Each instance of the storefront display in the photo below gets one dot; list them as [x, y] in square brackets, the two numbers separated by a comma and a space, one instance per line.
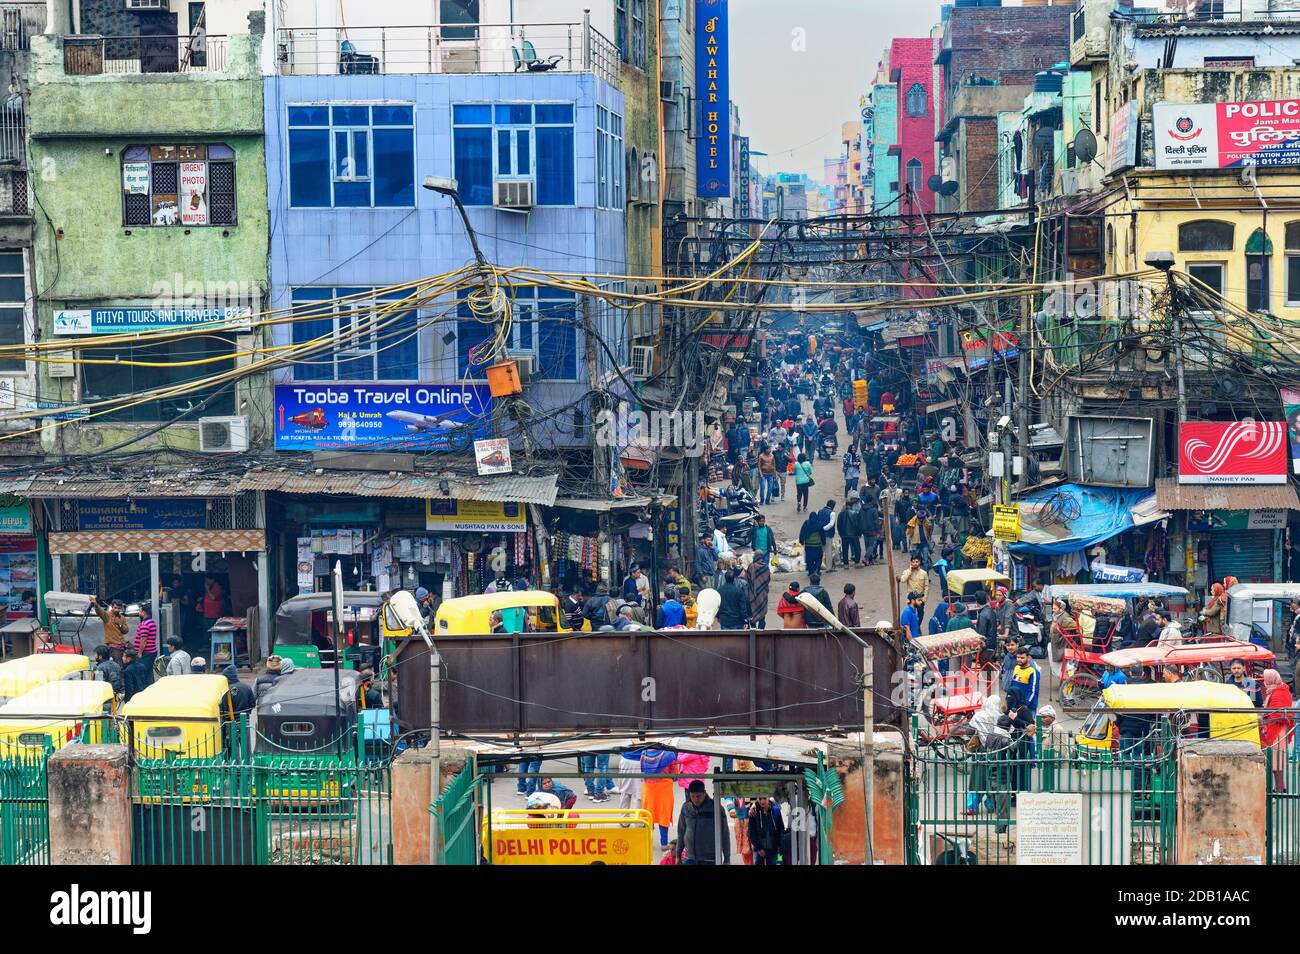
[17, 575]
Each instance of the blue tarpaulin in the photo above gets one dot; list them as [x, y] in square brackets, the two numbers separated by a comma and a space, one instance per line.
[1103, 512]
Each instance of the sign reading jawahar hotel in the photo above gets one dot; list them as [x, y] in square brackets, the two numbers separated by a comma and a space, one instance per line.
[713, 83]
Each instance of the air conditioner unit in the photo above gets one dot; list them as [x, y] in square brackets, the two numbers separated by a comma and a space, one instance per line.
[513, 194]
[668, 90]
[643, 359]
[527, 366]
[223, 435]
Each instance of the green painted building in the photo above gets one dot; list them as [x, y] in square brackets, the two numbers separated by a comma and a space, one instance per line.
[150, 191]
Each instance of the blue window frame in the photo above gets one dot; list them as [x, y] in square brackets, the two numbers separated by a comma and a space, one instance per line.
[352, 156]
[543, 326]
[375, 341]
[514, 141]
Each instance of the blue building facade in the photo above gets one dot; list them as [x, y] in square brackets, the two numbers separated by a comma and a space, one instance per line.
[883, 133]
[346, 156]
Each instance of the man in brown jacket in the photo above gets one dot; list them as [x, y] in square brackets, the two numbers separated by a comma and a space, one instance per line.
[847, 611]
[115, 627]
[915, 579]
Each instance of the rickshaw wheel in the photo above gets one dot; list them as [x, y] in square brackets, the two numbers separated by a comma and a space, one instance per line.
[1080, 687]
[1207, 673]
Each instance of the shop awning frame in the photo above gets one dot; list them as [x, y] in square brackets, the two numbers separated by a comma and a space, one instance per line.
[1171, 495]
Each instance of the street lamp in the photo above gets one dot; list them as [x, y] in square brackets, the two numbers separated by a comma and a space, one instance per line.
[1164, 261]
[444, 185]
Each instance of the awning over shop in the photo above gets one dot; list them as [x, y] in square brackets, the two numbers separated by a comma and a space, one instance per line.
[503, 489]
[1171, 495]
[623, 503]
[158, 541]
[1103, 512]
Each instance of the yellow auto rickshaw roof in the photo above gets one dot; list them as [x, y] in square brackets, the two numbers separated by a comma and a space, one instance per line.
[1174, 696]
[190, 695]
[17, 676]
[465, 605]
[975, 576]
[63, 697]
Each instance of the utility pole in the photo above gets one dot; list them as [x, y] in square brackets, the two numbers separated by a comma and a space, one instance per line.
[599, 454]
[1028, 272]
[886, 507]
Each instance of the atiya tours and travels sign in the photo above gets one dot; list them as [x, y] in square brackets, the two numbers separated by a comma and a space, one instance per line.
[1226, 135]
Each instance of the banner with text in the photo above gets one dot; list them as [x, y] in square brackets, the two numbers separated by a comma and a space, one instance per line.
[112, 321]
[380, 417]
[713, 89]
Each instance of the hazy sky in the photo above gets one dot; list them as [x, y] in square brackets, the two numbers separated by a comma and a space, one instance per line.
[792, 101]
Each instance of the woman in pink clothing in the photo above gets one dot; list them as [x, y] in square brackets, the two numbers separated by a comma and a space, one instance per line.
[691, 768]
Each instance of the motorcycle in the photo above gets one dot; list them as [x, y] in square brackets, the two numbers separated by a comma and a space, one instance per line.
[1031, 632]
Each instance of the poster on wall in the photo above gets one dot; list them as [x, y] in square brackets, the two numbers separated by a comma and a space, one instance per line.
[194, 193]
[1291, 407]
[1232, 452]
[18, 575]
[380, 417]
[474, 516]
[1226, 135]
[135, 178]
[493, 456]
[1123, 137]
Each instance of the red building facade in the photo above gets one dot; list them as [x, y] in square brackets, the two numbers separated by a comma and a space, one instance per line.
[920, 114]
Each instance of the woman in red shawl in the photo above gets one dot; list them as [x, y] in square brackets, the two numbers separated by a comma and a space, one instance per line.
[1215, 614]
[1276, 731]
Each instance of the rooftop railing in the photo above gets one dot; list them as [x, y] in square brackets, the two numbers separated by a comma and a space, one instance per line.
[96, 55]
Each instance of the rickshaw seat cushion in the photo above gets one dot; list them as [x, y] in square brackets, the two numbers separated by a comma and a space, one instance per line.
[962, 702]
[1083, 656]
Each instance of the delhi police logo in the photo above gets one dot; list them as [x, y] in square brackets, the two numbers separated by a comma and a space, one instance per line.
[1185, 129]
[621, 847]
[1184, 124]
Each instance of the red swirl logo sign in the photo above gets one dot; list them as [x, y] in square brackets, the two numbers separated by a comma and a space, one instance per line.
[1243, 452]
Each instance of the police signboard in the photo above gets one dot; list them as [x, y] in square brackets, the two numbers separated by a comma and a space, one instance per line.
[1006, 522]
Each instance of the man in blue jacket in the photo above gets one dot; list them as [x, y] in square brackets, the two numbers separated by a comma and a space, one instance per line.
[706, 561]
[1027, 676]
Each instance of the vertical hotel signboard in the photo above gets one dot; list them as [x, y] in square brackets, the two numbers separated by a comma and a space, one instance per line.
[713, 82]
[743, 196]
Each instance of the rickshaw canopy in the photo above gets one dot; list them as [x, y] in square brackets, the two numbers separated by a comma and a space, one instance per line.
[65, 697]
[1211, 697]
[309, 692]
[197, 695]
[1123, 591]
[293, 618]
[959, 642]
[977, 579]
[1189, 654]
[471, 615]
[20, 676]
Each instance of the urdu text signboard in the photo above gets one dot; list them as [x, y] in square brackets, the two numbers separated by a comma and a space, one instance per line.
[713, 88]
[1232, 452]
[183, 513]
[379, 417]
[1226, 135]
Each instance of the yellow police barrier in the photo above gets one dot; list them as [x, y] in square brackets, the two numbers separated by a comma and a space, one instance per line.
[612, 836]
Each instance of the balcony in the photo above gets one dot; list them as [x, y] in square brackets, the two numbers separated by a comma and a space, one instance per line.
[126, 55]
[1090, 32]
[486, 48]
[19, 22]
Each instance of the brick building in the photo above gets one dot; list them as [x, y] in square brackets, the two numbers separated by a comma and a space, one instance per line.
[920, 104]
[990, 56]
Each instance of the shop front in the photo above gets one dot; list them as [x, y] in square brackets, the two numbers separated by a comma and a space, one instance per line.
[18, 564]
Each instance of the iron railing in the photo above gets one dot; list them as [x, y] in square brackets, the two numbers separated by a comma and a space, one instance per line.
[1282, 824]
[481, 48]
[19, 22]
[97, 55]
[961, 807]
[24, 806]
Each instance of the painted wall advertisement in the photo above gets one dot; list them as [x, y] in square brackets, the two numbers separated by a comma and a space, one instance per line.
[112, 321]
[380, 417]
[474, 516]
[1224, 135]
[148, 514]
[1291, 407]
[1232, 452]
[713, 86]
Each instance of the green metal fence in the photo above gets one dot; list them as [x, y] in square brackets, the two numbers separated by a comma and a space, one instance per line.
[965, 808]
[455, 811]
[268, 810]
[24, 807]
[1282, 823]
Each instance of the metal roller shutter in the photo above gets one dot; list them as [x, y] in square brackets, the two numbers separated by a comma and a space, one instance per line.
[1245, 554]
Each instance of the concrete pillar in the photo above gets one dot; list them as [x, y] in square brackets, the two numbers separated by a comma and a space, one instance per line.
[1222, 793]
[410, 802]
[90, 805]
[848, 821]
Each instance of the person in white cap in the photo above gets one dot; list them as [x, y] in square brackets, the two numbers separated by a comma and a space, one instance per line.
[1056, 740]
[199, 665]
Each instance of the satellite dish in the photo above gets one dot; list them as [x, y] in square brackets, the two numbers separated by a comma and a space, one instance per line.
[948, 188]
[1085, 145]
[934, 183]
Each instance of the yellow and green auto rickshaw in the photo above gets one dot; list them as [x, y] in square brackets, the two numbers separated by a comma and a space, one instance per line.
[20, 676]
[1194, 710]
[964, 584]
[472, 615]
[180, 717]
[56, 713]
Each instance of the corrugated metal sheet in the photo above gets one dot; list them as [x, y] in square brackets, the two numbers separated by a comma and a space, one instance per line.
[510, 489]
[1170, 495]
